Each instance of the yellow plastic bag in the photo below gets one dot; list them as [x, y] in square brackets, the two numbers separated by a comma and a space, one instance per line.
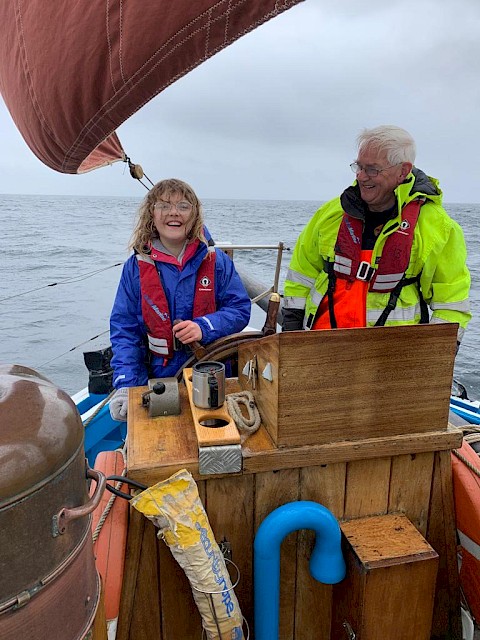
[174, 506]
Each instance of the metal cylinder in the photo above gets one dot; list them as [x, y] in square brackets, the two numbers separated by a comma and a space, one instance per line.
[208, 384]
[49, 586]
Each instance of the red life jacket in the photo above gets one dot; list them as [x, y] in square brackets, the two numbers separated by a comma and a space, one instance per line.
[395, 255]
[155, 310]
[356, 275]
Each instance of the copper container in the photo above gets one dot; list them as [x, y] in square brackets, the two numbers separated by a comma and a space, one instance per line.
[49, 587]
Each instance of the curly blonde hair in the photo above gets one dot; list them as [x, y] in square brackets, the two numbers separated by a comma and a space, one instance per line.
[145, 230]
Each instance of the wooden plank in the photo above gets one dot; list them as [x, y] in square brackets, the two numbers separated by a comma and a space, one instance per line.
[325, 485]
[272, 490]
[133, 550]
[259, 455]
[211, 436]
[441, 534]
[367, 487]
[230, 509]
[411, 497]
[383, 541]
[145, 617]
[99, 627]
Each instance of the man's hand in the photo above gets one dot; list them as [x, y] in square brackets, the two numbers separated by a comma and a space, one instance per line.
[187, 331]
[119, 405]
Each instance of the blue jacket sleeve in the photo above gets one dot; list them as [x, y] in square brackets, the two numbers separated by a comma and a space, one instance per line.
[233, 304]
[127, 333]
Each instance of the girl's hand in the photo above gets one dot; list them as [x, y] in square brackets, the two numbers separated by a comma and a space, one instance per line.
[187, 331]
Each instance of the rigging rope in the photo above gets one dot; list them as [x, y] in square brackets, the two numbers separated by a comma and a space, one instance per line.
[99, 408]
[470, 434]
[72, 280]
[466, 462]
[73, 348]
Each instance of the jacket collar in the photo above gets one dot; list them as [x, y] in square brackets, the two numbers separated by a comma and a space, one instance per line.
[416, 184]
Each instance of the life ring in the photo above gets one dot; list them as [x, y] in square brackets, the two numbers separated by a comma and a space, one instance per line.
[466, 487]
[109, 546]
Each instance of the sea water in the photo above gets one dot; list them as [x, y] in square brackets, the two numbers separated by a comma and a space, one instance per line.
[61, 257]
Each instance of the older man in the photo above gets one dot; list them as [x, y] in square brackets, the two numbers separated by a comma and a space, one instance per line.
[382, 251]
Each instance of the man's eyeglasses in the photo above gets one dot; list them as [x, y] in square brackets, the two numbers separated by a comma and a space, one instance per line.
[166, 207]
[370, 171]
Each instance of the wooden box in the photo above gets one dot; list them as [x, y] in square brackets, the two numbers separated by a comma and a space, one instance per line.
[390, 585]
[366, 383]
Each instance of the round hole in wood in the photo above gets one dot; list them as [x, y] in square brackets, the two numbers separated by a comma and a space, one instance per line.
[213, 423]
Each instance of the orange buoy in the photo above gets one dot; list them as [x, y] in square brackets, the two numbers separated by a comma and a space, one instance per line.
[466, 487]
[109, 547]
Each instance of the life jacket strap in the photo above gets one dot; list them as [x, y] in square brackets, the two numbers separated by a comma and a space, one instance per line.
[393, 300]
[332, 279]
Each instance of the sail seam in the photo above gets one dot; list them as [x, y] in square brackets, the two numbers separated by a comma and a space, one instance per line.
[141, 75]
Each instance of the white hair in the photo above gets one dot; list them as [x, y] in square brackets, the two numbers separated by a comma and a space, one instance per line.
[397, 143]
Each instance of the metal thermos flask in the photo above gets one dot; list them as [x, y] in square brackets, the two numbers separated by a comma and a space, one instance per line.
[208, 383]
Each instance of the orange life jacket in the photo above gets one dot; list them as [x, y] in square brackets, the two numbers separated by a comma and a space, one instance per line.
[351, 275]
[155, 310]
[350, 300]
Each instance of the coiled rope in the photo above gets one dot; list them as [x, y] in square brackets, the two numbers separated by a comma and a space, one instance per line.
[246, 425]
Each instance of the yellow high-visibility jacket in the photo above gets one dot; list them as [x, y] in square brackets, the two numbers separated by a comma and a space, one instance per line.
[438, 259]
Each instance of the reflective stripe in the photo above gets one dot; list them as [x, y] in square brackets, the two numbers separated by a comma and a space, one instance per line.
[208, 322]
[295, 276]
[386, 282]
[294, 303]
[389, 277]
[343, 260]
[470, 545]
[158, 345]
[386, 286]
[435, 320]
[462, 305]
[316, 297]
[341, 269]
[399, 314]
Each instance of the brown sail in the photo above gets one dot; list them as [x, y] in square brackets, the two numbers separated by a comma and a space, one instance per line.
[72, 72]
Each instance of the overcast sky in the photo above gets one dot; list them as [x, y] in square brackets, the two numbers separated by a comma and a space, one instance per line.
[275, 115]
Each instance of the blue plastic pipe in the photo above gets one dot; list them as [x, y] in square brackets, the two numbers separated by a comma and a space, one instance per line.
[326, 563]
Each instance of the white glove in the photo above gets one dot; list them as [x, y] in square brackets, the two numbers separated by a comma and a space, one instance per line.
[119, 405]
